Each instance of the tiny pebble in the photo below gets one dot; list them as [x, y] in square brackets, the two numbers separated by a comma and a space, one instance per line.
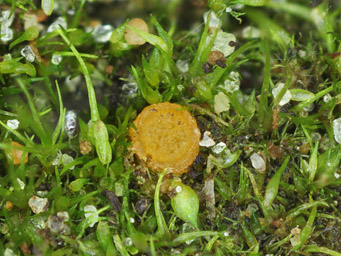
[257, 162]
[220, 147]
[178, 189]
[286, 97]
[28, 53]
[14, 124]
[38, 204]
[337, 130]
[90, 210]
[207, 141]
[56, 59]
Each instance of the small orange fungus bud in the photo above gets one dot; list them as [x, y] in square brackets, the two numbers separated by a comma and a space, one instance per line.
[16, 154]
[166, 136]
[133, 38]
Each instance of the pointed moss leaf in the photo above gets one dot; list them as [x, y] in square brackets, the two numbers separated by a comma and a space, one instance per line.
[98, 131]
[30, 34]
[47, 6]
[301, 95]
[150, 38]
[150, 73]
[272, 187]
[76, 185]
[13, 66]
[104, 236]
[251, 2]
[185, 203]
[150, 95]
[118, 33]
[163, 34]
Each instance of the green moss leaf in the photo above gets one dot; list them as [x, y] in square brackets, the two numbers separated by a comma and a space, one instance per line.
[185, 203]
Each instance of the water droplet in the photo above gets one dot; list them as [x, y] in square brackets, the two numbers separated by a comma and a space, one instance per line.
[337, 130]
[132, 220]
[103, 33]
[56, 59]
[286, 97]
[178, 189]
[60, 21]
[28, 53]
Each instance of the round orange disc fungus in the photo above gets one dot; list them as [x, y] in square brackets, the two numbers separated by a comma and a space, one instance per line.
[166, 136]
[131, 36]
[15, 154]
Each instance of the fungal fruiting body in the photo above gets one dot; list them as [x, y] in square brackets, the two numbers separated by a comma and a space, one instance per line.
[131, 36]
[165, 136]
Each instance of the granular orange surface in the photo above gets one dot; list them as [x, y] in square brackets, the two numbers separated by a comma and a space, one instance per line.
[166, 136]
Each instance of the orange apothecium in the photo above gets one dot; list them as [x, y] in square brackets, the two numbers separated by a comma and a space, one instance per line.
[165, 136]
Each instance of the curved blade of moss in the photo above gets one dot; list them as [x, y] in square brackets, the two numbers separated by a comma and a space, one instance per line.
[30, 34]
[16, 67]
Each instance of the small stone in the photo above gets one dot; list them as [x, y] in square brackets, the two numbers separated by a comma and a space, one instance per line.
[56, 59]
[66, 159]
[221, 103]
[6, 34]
[214, 20]
[337, 130]
[7, 18]
[250, 32]
[182, 65]
[222, 43]
[228, 9]
[9, 252]
[232, 84]
[13, 124]
[226, 233]
[327, 97]
[220, 147]
[129, 90]
[38, 204]
[207, 141]
[102, 33]
[90, 210]
[258, 162]
[132, 220]
[28, 53]
[63, 215]
[55, 224]
[133, 38]
[85, 147]
[21, 184]
[128, 241]
[302, 54]
[60, 21]
[58, 159]
[71, 124]
[286, 97]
